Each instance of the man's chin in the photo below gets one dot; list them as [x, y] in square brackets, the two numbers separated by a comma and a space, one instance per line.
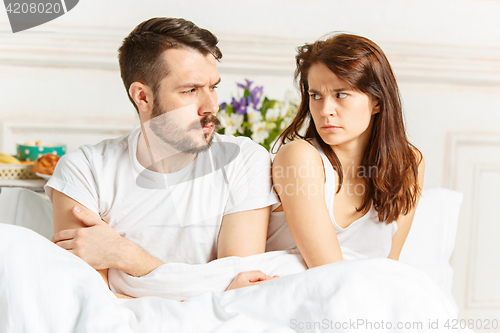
[204, 145]
[197, 149]
[209, 137]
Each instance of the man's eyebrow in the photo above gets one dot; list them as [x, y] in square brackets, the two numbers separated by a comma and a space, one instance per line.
[194, 85]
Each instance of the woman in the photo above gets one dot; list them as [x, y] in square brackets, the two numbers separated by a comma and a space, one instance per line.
[350, 185]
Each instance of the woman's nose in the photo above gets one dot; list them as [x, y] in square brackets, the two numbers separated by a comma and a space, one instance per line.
[329, 108]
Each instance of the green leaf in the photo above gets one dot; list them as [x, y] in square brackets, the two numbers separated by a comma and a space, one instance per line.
[246, 93]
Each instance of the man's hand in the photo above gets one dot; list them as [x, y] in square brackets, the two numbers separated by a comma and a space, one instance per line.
[247, 279]
[98, 244]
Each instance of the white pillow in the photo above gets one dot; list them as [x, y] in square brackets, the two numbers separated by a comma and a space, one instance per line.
[432, 235]
[27, 209]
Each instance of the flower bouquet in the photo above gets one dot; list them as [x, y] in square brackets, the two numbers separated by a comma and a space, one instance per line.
[256, 116]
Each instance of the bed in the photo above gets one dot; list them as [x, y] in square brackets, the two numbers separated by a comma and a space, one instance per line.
[44, 288]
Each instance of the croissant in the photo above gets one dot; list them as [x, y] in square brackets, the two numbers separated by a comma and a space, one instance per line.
[46, 164]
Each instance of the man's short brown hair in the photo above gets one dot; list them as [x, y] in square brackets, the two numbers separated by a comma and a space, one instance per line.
[140, 54]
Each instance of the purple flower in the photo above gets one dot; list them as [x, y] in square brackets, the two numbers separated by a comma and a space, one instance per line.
[242, 110]
[239, 107]
[256, 94]
[246, 86]
[235, 104]
[250, 100]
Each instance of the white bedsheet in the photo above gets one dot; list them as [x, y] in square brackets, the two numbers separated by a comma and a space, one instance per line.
[44, 288]
[178, 281]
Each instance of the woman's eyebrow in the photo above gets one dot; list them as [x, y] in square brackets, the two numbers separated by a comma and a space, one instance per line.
[314, 91]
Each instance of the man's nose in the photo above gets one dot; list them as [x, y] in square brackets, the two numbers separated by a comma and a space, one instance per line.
[208, 104]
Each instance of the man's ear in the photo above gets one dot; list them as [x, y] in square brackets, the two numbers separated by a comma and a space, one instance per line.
[143, 97]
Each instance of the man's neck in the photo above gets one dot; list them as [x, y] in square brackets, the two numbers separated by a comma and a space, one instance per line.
[161, 158]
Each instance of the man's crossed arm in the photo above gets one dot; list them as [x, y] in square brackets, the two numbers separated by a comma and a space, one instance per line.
[83, 233]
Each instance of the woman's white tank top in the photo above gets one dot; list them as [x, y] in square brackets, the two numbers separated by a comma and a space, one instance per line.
[364, 238]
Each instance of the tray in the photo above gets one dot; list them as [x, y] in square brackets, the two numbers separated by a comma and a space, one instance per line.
[17, 171]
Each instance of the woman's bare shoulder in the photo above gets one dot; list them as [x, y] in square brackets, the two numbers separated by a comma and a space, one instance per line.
[297, 152]
[419, 156]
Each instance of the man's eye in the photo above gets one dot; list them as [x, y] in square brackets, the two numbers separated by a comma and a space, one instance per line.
[341, 95]
[189, 91]
[315, 96]
[213, 87]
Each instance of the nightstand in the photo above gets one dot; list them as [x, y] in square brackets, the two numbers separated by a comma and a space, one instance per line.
[35, 185]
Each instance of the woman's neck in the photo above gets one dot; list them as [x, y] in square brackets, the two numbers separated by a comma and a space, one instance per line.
[350, 161]
[350, 154]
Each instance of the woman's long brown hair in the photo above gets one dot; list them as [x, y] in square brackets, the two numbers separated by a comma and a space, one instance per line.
[361, 63]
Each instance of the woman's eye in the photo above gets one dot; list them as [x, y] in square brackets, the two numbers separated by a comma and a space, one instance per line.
[341, 95]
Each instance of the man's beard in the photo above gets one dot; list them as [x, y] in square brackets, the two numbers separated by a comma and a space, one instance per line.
[179, 138]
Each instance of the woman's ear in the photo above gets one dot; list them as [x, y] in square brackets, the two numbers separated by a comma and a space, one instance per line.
[376, 107]
[143, 97]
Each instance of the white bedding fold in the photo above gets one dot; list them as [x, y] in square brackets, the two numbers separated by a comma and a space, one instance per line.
[181, 281]
[46, 289]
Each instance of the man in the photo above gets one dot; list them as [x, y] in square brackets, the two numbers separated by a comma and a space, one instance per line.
[172, 190]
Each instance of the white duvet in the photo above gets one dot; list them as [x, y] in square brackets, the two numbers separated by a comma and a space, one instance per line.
[44, 288]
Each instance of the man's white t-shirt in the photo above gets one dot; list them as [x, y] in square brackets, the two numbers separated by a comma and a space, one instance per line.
[174, 217]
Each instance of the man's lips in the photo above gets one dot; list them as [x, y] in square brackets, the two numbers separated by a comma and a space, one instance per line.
[207, 128]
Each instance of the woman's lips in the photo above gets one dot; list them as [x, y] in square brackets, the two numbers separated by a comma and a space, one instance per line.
[328, 127]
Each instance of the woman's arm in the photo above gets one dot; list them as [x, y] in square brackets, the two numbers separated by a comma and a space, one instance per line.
[299, 180]
[404, 221]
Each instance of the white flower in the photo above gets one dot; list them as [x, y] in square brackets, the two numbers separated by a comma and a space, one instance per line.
[259, 132]
[254, 115]
[289, 105]
[231, 123]
[259, 105]
[273, 114]
[285, 108]
[223, 117]
[287, 121]
[270, 126]
[291, 98]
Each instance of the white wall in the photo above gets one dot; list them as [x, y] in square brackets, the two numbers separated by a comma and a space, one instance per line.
[445, 53]
[61, 80]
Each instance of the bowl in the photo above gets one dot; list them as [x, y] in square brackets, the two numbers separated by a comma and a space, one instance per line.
[31, 153]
